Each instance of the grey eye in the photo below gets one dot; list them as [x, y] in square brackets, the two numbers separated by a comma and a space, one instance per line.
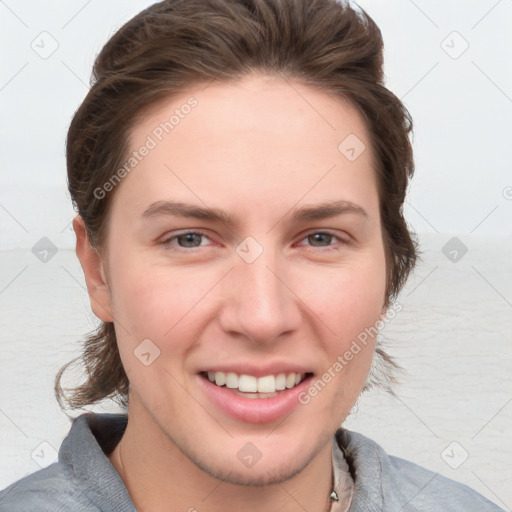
[320, 239]
[189, 240]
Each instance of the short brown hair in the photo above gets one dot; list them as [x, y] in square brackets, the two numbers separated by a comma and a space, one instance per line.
[174, 44]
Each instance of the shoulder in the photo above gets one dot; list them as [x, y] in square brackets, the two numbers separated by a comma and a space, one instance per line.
[388, 483]
[83, 478]
[427, 490]
[48, 490]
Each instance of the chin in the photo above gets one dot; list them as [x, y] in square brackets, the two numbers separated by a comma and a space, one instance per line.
[277, 462]
[265, 474]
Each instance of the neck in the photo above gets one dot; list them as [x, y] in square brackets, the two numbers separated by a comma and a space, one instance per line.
[157, 473]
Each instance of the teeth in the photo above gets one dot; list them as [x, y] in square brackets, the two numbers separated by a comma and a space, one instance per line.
[280, 382]
[251, 384]
[290, 380]
[266, 384]
[248, 383]
[231, 380]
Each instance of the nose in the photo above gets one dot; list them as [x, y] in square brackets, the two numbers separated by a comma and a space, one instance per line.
[260, 303]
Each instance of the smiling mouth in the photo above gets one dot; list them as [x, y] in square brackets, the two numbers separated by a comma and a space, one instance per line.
[250, 386]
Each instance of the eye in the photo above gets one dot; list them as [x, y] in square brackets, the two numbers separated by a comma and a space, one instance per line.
[188, 240]
[322, 239]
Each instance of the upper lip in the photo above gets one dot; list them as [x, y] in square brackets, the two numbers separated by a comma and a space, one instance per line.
[250, 368]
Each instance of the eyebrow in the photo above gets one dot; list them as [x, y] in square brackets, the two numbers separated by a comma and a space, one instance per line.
[303, 214]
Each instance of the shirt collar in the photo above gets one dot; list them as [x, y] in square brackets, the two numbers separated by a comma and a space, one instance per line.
[343, 481]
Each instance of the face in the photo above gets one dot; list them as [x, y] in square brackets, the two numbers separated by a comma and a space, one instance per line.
[245, 248]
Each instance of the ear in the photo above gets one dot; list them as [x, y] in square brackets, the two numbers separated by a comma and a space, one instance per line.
[93, 271]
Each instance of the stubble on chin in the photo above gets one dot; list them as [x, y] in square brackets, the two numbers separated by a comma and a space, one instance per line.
[268, 473]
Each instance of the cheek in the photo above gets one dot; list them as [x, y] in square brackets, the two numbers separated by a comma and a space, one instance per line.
[156, 301]
[152, 303]
[349, 302]
[348, 299]
[351, 310]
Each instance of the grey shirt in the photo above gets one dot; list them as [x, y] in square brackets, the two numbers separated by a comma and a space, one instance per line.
[84, 480]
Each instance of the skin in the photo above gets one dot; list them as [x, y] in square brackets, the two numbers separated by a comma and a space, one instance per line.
[259, 149]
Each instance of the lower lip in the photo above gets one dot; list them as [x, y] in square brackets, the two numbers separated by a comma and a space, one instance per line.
[254, 410]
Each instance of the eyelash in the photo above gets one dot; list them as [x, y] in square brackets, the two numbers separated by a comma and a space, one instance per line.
[168, 242]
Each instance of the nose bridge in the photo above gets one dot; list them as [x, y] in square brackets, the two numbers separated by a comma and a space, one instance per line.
[259, 305]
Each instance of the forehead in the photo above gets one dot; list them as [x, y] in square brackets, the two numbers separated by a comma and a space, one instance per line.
[257, 139]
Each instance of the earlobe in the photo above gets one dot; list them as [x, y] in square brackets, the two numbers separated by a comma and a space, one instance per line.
[94, 273]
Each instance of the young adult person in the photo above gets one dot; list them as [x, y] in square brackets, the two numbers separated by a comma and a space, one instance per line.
[238, 170]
